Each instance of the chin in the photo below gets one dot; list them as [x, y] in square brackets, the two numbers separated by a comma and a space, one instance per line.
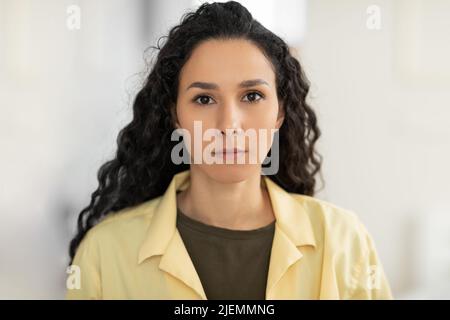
[230, 173]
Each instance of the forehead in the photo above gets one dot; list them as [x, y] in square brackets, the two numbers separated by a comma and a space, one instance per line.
[226, 62]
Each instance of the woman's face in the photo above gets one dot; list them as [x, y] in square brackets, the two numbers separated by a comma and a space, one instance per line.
[228, 85]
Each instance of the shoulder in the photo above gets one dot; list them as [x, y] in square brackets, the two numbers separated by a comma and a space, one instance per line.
[349, 255]
[110, 244]
[327, 212]
[126, 227]
[334, 225]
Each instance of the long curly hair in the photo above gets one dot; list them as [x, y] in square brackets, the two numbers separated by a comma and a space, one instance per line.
[142, 168]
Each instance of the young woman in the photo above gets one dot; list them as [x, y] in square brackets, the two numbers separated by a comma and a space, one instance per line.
[158, 228]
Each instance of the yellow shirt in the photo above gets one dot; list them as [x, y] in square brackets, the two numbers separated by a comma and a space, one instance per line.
[319, 251]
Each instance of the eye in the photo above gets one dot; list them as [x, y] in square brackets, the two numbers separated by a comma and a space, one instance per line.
[252, 96]
[202, 100]
[206, 100]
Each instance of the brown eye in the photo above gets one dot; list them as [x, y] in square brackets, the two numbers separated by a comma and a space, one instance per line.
[202, 100]
[252, 97]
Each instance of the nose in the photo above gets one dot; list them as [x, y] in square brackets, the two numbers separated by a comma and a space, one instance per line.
[229, 119]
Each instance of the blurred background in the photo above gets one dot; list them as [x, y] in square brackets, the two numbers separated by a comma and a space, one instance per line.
[380, 83]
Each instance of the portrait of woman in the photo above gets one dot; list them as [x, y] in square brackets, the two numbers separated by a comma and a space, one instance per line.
[160, 228]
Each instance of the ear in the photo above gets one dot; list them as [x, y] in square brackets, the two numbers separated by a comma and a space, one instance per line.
[280, 117]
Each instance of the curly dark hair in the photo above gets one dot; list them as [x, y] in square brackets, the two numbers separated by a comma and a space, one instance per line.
[142, 168]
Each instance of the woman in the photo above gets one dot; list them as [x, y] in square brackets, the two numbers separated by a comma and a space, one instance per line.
[161, 228]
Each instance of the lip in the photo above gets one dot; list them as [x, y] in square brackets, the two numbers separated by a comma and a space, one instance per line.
[230, 151]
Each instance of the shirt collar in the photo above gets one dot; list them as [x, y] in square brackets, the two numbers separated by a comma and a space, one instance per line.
[291, 217]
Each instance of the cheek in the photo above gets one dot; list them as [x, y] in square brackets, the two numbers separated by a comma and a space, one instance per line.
[263, 116]
[263, 121]
[188, 118]
[188, 114]
[183, 116]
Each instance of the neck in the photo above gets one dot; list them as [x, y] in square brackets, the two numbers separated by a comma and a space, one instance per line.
[243, 205]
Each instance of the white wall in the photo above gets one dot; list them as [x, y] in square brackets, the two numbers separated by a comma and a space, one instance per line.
[64, 95]
[383, 97]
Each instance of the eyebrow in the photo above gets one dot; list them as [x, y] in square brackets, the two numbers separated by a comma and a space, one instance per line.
[214, 86]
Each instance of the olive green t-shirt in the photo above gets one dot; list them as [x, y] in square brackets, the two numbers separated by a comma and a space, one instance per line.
[231, 264]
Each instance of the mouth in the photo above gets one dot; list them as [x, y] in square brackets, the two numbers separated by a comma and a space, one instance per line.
[229, 151]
